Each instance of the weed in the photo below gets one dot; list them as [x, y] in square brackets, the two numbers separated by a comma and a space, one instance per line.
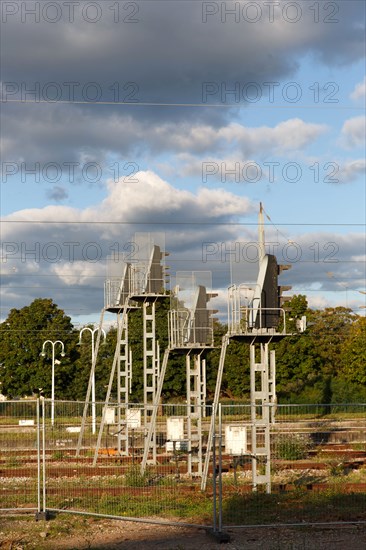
[337, 466]
[292, 446]
[13, 462]
[58, 455]
[135, 478]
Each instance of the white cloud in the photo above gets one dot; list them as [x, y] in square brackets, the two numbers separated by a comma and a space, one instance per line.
[319, 302]
[353, 132]
[360, 90]
[80, 273]
[153, 199]
[83, 136]
[351, 170]
[290, 135]
[71, 246]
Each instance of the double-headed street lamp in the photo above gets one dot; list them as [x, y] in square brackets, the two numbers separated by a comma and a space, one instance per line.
[53, 344]
[92, 332]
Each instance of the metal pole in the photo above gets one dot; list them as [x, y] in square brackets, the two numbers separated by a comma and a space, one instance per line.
[220, 469]
[38, 460]
[214, 480]
[44, 454]
[53, 344]
[53, 386]
[93, 387]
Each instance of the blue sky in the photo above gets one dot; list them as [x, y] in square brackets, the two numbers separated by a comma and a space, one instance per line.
[159, 158]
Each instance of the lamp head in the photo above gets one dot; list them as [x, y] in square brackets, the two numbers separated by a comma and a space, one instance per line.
[62, 354]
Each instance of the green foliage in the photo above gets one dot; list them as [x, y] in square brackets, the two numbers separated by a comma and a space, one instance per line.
[353, 354]
[23, 372]
[134, 477]
[324, 365]
[292, 446]
[298, 305]
[315, 367]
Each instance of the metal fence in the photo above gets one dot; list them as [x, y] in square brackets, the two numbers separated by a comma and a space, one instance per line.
[20, 456]
[317, 463]
[114, 485]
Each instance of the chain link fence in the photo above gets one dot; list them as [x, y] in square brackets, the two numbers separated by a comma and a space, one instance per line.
[317, 458]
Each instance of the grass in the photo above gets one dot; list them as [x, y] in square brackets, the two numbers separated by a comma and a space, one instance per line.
[299, 506]
[168, 498]
[152, 503]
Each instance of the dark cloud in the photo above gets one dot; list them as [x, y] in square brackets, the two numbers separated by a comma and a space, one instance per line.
[57, 194]
[169, 52]
[168, 55]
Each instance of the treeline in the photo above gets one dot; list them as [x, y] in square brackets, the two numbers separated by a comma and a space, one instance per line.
[325, 364]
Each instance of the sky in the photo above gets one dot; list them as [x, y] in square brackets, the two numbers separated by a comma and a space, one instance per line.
[181, 117]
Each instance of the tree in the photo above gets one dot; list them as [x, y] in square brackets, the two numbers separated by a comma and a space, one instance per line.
[23, 372]
[350, 383]
[353, 355]
[308, 365]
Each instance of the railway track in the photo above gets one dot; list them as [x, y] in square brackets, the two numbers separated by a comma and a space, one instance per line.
[71, 466]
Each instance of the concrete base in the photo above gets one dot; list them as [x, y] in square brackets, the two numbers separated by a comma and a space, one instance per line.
[218, 536]
[44, 516]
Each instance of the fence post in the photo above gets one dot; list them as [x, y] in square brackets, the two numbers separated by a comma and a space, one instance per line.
[38, 460]
[217, 533]
[41, 449]
[214, 482]
[220, 468]
[222, 535]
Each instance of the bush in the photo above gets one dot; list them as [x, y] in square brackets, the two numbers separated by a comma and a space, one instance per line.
[292, 446]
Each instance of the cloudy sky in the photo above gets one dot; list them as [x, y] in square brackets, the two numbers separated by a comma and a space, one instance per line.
[180, 117]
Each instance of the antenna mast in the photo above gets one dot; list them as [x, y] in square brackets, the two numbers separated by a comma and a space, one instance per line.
[261, 242]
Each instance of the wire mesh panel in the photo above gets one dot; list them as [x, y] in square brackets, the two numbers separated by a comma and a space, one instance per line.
[190, 320]
[19, 456]
[317, 458]
[148, 266]
[117, 286]
[318, 467]
[115, 486]
[138, 271]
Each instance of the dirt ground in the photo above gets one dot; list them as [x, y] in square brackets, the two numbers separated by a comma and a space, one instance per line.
[80, 533]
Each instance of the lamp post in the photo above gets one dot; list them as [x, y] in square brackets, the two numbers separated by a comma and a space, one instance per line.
[53, 344]
[92, 332]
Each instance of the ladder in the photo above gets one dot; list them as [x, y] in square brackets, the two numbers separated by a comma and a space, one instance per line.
[122, 359]
[151, 425]
[196, 395]
[262, 388]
